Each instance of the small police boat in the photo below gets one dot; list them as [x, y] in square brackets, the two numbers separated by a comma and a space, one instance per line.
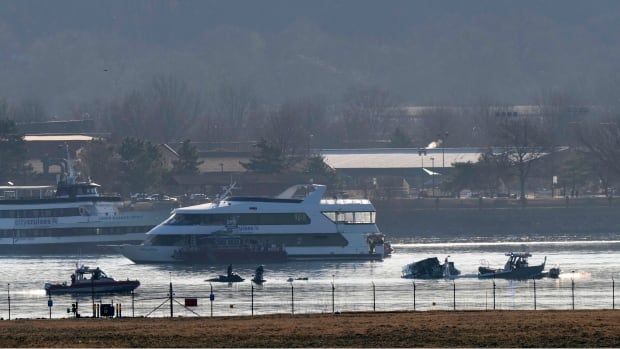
[516, 268]
[87, 280]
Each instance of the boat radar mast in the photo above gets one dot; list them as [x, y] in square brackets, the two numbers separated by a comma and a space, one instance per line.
[71, 174]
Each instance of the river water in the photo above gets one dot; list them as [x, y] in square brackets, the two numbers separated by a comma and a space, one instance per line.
[586, 281]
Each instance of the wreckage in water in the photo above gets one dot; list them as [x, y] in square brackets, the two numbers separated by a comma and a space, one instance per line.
[430, 268]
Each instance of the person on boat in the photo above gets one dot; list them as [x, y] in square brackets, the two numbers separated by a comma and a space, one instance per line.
[72, 279]
[97, 274]
[229, 271]
[259, 273]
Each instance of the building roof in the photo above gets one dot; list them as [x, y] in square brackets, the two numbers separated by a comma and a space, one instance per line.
[402, 158]
[398, 158]
[58, 138]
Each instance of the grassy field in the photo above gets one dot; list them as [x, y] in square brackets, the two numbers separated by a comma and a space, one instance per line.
[488, 329]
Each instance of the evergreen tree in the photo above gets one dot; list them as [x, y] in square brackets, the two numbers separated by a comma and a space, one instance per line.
[400, 139]
[12, 153]
[188, 159]
[142, 165]
[269, 159]
[99, 161]
[316, 166]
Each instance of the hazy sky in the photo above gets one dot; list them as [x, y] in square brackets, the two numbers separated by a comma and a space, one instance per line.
[69, 52]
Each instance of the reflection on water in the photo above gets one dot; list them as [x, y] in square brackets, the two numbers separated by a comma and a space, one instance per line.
[590, 264]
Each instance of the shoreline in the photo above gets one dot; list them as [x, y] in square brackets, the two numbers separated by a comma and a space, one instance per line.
[514, 328]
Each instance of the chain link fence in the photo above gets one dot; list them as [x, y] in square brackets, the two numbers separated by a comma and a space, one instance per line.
[304, 297]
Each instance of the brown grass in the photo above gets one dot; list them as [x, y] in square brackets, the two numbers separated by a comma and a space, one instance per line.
[486, 329]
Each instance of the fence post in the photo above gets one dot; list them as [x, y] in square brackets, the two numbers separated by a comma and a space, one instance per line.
[92, 294]
[374, 299]
[292, 299]
[171, 306]
[211, 298]
[252, 298]
[49, 304]
[8, 293]
[493, 294]
[414, 296]
[453, 295]
[333, 298]
[133, 301]
[534, 293]
[613, 293]
[572, 283]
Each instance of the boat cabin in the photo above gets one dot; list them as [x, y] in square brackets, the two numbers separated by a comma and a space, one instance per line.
[22, 192]
[73, 190]
[84, 273]
[516, 260]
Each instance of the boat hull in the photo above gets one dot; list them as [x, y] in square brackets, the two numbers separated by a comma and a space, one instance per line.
[523, 273]
[99, 288]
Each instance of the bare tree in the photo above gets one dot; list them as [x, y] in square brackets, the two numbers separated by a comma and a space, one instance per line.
[287, 132]
[602, 142]
[485, 123]
[558, 109]
[523, 144]
[364, 109]
[233, 108]
[174, 108]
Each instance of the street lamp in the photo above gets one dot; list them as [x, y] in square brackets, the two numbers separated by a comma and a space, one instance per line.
[443, 149]
[433, 174]
[422, 153]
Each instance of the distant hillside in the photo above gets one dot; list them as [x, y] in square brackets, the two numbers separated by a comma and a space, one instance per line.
[67, 52]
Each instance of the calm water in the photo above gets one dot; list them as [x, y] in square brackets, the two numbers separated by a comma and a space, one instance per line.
[590, 264]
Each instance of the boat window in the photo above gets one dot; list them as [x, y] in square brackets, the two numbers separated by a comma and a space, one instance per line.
[168, 240]
[52, 212]
[361, 217]
[298, 218]
[184, 219]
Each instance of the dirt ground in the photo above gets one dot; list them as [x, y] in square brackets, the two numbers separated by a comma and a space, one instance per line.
[406, 329]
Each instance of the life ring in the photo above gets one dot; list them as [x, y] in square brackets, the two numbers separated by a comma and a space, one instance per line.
[84, 211]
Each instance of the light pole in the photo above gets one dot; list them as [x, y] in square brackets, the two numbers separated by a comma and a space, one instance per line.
[433, 174]
[422, 153]
[443, 150]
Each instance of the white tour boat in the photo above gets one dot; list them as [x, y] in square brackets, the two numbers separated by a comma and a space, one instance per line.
[250, 229]
[73, 217]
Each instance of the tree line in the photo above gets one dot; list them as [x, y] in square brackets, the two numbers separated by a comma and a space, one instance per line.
[166, 109]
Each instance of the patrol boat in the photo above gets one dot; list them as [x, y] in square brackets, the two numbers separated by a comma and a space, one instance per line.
[87, 280]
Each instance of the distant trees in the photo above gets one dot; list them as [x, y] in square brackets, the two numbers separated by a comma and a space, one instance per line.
[486, 175]
[364, 108]
[13, 165]
[188, 162]
[134, 165]
[600, 140]
[29, 110]
[100, 161]
[163, 110]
